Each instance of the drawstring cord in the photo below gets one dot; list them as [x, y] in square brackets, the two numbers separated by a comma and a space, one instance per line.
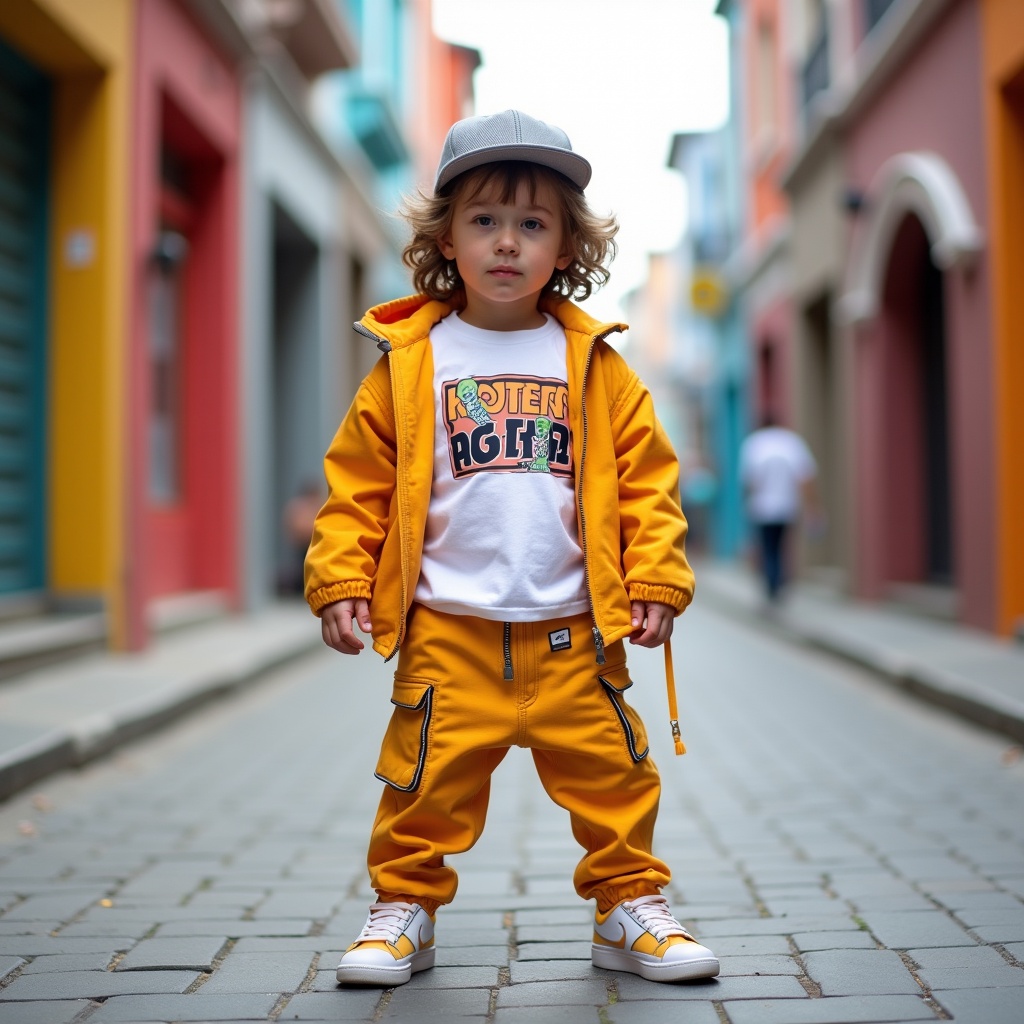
[673, 710]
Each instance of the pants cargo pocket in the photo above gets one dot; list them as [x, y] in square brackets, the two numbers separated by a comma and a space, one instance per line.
[615, 683]
[403, 753]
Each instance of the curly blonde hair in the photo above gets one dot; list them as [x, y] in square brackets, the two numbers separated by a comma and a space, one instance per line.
[590, 238]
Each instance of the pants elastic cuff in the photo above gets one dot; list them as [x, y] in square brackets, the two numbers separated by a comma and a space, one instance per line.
[429, 905]
[611, 897]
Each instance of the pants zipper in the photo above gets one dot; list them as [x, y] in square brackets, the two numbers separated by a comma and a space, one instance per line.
[507, 640]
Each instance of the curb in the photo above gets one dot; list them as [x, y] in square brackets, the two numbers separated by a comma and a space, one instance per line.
[95, 735]
[963, 697]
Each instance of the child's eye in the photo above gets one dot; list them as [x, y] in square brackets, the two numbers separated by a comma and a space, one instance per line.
[531, 224]
[483, 220]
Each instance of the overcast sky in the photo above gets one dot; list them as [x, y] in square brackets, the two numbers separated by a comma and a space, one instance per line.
[620, 77]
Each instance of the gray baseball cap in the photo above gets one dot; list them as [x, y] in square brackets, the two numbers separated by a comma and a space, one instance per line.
[510, 135]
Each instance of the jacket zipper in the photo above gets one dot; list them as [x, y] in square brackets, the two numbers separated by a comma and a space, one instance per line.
[385, 346]
[598, 638]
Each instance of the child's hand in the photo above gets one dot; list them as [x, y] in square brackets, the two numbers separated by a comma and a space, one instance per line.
[652, 623]
[336, 624]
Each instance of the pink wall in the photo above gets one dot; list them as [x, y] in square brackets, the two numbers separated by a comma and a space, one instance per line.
[935, 104]
[186, 93]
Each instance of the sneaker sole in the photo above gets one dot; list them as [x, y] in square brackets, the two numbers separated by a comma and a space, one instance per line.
[687, 970]
[385, 977]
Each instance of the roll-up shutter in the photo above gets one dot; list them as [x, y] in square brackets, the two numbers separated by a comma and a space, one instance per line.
[24, 178]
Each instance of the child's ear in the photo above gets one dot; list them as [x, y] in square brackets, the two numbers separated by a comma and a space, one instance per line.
[564, 260]
[444, 243]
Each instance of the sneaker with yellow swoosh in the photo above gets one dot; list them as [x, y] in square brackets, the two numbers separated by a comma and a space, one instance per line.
[396, 941]
[641, 936]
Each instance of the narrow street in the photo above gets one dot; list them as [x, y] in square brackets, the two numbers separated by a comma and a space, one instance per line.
[850, 854]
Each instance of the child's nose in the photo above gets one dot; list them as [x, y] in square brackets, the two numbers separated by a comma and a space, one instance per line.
[507, 243]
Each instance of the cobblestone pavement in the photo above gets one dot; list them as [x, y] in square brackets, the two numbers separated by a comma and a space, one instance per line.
[851, 855]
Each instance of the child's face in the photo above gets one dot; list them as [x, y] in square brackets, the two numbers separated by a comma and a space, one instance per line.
[506, 253]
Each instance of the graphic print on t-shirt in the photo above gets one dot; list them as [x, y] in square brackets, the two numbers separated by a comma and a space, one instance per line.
[508, 423]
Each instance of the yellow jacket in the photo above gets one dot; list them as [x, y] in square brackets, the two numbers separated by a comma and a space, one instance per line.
[368, 537]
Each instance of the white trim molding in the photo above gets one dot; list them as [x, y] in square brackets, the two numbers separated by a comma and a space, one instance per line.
[925, 185]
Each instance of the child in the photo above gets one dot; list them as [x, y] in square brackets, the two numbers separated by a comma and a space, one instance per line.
[503, 498]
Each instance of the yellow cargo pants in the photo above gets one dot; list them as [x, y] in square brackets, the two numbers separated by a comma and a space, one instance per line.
[465, 691]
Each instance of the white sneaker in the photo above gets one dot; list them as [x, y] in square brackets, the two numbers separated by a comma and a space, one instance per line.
[396, 941]
[641, 936]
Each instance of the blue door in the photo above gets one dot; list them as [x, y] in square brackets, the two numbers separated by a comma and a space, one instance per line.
[24, 181]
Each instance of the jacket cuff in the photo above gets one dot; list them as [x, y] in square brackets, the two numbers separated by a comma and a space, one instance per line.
[673, 596]
[319, 599]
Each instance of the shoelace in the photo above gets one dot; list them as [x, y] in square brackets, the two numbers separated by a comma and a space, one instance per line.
[653, 913]
[386, 922]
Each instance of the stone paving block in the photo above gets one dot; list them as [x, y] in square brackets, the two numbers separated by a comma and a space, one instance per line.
[837, 1010]
[98, 928]
[316, 903]
[455, 978]
[470, 956]
[751, 945]
[475, 937]
[940, 978]
[53, 945]
[56, 909]
[856, 972]
[563, 1015]
[271, 927]
[197, 1006]
[9, 964]
[551, 933]
[521, 971]
[806, 941]
[94, 984]
[956, 957]
[735, 966]
[657, 1012]
[260, 972]
[554, 951]
[779, 925]
[582, 915]
[982, 1006]
[44, 1012]
[162, 954]
[419, 1004]
[70, 962]
[567, 992]
[1009, 931]
[341, 1004]
[632, 987]
[1015, 949]
[917, 929]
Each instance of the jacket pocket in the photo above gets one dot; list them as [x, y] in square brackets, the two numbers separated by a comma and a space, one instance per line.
[403, 754]
[615, 683]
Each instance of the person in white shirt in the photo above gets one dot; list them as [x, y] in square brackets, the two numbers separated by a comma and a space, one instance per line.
[778, 472]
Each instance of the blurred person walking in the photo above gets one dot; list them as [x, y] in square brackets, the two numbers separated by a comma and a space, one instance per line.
[778, 474]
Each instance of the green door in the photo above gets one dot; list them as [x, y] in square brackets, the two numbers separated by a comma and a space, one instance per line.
[24, 180]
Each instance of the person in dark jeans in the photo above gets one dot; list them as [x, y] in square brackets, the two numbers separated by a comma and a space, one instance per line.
[777, 471]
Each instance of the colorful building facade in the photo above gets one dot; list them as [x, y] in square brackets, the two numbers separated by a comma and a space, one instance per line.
[904, 225]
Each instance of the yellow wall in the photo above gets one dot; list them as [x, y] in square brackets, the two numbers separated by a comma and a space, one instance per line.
[85, 46]
[1003, 41]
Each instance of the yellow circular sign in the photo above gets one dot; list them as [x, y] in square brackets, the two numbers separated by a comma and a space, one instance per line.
[708, 294]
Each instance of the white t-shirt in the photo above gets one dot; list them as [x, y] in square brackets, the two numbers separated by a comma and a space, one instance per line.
[774, 462]
[501, 539]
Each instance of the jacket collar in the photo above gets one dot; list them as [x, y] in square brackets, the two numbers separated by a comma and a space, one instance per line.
[405, 321]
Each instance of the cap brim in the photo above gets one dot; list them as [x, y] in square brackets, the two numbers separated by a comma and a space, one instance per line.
[572, 165]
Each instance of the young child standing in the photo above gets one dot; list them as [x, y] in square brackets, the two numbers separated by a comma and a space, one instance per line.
[505, 503]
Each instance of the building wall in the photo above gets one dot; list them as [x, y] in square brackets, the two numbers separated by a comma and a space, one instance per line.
[186, 93]
[293, 369]
[934, 104]
[87, 54]
[1003, 83]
